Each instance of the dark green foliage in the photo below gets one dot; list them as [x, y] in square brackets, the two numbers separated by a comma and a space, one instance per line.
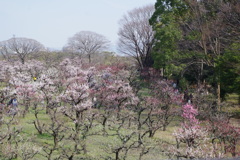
[165, 48]
[229, 67]
[198, 41]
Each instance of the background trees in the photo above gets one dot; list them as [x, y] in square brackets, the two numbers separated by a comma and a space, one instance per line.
[191, 36]
[87, 43]
[136, 35]
[22, 47]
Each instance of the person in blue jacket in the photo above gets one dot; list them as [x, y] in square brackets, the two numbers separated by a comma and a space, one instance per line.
[13, 103]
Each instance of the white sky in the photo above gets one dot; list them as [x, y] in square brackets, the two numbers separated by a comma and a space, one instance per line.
[52, 22]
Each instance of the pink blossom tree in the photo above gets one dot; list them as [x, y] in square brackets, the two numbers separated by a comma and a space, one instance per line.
[224, 134]
[192, 140]
[162, 105]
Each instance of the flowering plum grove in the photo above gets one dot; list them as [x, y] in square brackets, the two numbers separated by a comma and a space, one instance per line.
[72, 106]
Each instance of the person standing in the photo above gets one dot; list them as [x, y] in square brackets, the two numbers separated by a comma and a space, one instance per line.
[1, 112]
[13, 103]
[174, 85]
[190, 98]
[185, 97]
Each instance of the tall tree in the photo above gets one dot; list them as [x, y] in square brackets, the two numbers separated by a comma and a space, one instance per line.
[22, 47]
[87, 43]
[165, 22]
[136, 35]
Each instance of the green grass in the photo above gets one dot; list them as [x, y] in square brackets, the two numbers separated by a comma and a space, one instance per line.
[233, 99]
[97, 145]
[232, 105]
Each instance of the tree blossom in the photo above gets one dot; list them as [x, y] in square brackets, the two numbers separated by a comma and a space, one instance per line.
[194, 140]
[189, 114]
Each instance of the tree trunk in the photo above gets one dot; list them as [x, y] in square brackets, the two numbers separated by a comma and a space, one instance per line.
[200, 76]
[164, 127]
[89, 58]
[77, 121]
[151, 133]
[239, 99]
[117, 155]
[219, 95]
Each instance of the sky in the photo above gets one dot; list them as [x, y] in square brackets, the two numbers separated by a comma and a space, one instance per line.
[52, 22]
